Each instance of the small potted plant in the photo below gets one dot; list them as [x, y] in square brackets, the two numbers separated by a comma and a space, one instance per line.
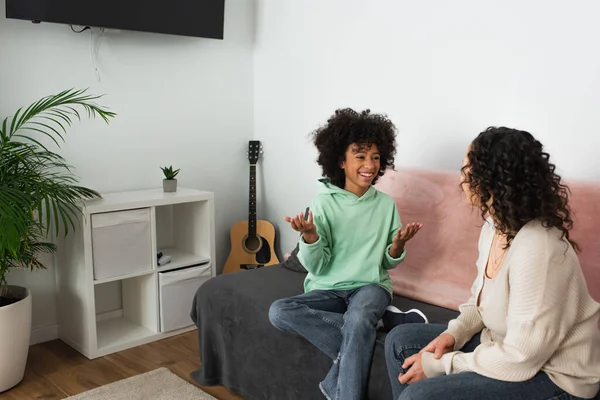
[169, 183]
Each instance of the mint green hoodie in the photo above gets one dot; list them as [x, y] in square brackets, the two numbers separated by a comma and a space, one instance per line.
[355, 234]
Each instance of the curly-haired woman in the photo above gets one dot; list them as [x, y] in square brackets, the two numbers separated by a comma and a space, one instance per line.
[530, 327]
[349, 245]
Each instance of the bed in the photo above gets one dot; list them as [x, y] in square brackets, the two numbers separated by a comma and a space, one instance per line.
[241, 350]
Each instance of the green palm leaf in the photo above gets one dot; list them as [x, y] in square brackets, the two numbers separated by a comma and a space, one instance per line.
[37, 187]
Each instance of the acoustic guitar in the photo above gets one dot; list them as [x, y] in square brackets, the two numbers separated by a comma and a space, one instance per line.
[252, 241]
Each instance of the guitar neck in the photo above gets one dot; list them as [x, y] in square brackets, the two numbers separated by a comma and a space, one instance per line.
[252, 202]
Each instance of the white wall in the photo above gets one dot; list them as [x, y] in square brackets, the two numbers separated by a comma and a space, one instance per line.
[181, 101]
[442, 70]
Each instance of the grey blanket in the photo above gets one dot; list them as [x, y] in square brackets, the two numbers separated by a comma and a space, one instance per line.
[241, 350]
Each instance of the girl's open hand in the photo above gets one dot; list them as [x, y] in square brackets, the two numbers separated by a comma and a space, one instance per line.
[408, 232]
[302, 225]
[402, 236]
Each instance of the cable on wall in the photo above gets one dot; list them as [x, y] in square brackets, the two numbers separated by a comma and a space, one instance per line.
[95, 42]
[84, 29]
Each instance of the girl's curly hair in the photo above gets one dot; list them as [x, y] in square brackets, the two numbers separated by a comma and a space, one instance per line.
[510, 167]
[347, 126]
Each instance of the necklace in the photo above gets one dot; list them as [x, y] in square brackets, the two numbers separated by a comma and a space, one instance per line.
[496, 260]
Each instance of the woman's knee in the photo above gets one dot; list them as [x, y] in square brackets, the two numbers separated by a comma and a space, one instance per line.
[394, 339]
[406, 334]
[418, 391]
[405, 337]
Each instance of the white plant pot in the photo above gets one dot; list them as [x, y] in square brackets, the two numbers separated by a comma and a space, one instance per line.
[15, 331]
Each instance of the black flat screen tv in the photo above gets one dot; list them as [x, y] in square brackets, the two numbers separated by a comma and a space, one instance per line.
[197, 18]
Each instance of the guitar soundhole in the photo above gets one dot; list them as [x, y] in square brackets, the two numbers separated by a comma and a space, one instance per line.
[252, 243]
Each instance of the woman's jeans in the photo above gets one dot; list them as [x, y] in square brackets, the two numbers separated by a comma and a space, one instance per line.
[405, 340]
[343, 325]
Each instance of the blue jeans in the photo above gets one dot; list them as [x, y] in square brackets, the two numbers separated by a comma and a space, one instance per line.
[406, 340]
[343, 325]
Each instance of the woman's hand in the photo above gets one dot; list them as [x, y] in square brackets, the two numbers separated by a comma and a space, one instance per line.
[304, 226]
[415, 370]
[440, 345]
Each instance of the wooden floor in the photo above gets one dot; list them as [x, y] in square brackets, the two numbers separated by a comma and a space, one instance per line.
[55, 370]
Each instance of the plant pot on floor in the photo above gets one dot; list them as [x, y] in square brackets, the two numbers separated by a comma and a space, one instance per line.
[15, 332]
[169, 185]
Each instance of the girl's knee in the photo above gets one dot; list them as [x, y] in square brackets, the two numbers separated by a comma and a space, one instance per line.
[278, 312]
[374, 291]
[360, 318]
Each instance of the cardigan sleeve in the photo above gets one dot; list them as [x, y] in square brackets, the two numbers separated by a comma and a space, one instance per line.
[537, 319]
[468, 322]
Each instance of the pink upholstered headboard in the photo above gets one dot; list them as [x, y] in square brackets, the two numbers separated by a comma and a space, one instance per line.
[440, 265]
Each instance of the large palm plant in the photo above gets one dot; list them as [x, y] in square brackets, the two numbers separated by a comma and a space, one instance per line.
[37, 189]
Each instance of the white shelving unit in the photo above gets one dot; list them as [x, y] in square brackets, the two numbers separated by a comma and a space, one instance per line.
[112, 294]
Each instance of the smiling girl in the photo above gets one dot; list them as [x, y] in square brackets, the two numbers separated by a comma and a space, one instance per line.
[352, 237]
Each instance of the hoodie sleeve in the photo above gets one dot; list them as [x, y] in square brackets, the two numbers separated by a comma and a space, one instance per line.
[315, 256]
[388, 261]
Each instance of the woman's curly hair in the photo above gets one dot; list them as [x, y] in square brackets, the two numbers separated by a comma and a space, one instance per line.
[347, 126]
[510, 167]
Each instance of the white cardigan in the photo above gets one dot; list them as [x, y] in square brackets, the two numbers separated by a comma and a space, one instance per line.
[538, 315]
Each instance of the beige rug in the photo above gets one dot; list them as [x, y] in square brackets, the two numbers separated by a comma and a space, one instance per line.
[159, 384]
